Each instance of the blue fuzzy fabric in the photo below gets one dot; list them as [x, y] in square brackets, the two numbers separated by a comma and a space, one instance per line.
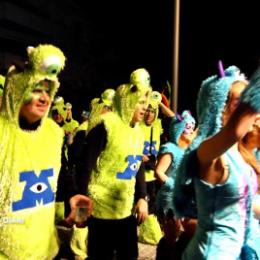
[211, 101]
[177, 125]
[251, 94]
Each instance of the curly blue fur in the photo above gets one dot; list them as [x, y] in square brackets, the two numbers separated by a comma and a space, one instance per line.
[164, 198]
[251, 94]
[177, 126]
[211, 101]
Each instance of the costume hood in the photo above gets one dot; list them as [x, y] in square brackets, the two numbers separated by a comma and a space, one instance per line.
[211, 101]
[126, 98]
[44, 63]
[97, 104]
[154, 102]
[140, 77]
[178, 124]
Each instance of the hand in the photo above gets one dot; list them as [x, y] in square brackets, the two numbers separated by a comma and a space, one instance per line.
[79, 201]
[141, 210]
[145, 158]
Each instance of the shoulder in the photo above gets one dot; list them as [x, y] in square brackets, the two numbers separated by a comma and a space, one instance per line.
[53, 127]
[170, 147]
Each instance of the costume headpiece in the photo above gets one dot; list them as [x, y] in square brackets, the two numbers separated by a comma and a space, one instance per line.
[58, 100]
[107, 96]
[68, 105]
[60, 109]
[126, 99]
[44, 64]
[211, 101]
[154, 102]
[178, 125]
[140, 77]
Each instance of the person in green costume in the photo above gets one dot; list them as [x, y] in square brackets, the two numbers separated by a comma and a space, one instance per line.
[70, 124]
[110, 162]
[30, 156]
[150, 231]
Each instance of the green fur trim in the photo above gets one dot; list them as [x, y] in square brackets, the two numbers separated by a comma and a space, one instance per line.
[19, 85]
[126, 99]
[113, 196]
[150, 231]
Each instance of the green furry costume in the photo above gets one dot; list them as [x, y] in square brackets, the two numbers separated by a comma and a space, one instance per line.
[150, 231]
[97, 105]
[112, 183]
[157, 131]
[29, 163]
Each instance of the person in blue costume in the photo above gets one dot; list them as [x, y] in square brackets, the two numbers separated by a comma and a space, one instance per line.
[181, 133]
[223, 188]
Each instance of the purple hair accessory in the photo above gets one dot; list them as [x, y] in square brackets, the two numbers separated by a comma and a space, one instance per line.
[179, 117]
[221, 69]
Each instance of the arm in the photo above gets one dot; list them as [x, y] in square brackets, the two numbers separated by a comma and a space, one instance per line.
[141, 206]
[210, 151]
[163, 163]
[238, 125]
[94, 144]
[166, 111]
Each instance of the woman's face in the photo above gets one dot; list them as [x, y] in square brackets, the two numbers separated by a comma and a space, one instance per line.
[233, 100]
[188, 134]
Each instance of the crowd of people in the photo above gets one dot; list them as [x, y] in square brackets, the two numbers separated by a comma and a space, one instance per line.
[131, 171]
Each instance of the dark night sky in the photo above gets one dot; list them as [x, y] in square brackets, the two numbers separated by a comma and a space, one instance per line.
[213, 30]
[122, 36]
[140, 34]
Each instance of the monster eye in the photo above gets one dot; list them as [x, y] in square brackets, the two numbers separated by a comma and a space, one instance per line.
[38, 187]
[51, 65]
[53, 69]
[134, 166]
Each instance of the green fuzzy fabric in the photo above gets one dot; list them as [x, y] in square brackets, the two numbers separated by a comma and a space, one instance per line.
[251, 94]
[35, 72]
[126, 99]
[113, 197]
[150, 231]
[28, 151]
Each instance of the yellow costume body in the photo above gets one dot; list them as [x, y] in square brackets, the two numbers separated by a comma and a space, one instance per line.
[29, 163]
[112, 184]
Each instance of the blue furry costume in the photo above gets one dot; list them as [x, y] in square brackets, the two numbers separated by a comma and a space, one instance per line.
[224, 211]
[164, 203]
